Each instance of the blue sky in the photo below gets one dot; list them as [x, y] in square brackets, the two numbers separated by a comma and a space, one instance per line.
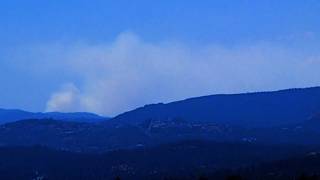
[222, 21]
[111, 56]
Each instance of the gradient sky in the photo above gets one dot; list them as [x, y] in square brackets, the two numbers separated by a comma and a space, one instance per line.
[111, 56]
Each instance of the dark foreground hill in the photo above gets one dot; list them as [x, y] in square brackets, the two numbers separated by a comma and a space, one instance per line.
[264, 109]
[71, 136]
[306, 167]
[189, 158]
[101, 137]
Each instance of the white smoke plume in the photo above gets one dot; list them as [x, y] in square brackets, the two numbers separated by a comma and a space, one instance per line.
[129, 72]
[64, 100]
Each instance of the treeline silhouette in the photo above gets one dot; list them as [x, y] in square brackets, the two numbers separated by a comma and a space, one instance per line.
[168, 162]
[239, 177]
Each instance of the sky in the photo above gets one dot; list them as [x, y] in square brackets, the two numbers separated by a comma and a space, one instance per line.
[109, 57]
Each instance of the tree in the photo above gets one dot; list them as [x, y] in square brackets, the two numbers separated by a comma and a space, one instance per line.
[234, 177]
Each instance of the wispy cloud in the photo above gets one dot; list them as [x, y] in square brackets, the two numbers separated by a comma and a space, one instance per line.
[130, 72]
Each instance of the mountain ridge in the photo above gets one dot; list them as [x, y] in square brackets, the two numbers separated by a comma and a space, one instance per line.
[12, 115]
[292, 105]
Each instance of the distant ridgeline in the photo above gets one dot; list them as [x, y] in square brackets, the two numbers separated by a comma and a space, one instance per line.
[12, 115]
